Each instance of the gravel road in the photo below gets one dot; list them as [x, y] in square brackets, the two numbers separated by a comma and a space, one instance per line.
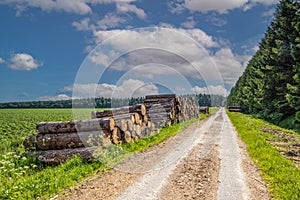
[205, 161]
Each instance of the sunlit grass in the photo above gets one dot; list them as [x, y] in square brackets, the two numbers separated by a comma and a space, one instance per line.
[281, 175]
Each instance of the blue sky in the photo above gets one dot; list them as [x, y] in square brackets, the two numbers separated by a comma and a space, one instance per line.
[46, 44]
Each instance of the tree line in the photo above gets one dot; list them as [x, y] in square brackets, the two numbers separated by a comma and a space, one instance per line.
[270, 86]
[202, 99]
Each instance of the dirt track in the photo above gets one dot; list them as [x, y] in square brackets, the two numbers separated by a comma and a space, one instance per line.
[206, 161]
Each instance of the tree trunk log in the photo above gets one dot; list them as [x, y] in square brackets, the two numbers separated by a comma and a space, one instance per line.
[75, 126]
[55, 141]
[160, 96]
[127, 136]
[55, 157]
[139, 108]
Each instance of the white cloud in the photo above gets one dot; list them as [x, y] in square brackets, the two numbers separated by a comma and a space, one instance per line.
[164, 46]
[214, 5]
[75, 6]
[81, 7]
[225, 6]
[176, 7]
[228, 65]
[2, 60]
[269, 13]
[102, 58]
[217, 21]
[54, 98]
[109, 21]
[190, 23]
[83, 25]
[23, 61]
[147, 38]
[165, 25]
[255, 48]
[265, 2]
[125, 8]
[212, 90]
[128, 88]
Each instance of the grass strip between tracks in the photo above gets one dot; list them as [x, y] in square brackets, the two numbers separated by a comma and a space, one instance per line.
[281, 175]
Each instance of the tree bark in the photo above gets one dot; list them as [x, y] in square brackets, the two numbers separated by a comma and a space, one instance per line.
[139, 108]
[75, 126]
[55, 141]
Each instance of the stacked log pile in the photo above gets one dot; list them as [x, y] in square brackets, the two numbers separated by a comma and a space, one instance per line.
[131, 123]
[204, 110]
[234, 109]
[59, 141]
[188, 108]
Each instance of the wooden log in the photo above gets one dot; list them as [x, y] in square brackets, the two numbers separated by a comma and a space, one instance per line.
[160, 109]
[55, 157]
[139, 108]
[138, 130]
[133, 135]
[75, 126]
[127, 136]
[145, 119]
[121, 124]
[137, 117]
[116, 135]
[155, 101]
[107, 123]
[130, 125]
[56, 141]
[159, 115]
[234, 109]
[160, 96]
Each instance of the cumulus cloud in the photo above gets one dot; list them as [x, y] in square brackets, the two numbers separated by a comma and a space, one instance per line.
[1, 60]
[83, 25]
[214, 5]
[81, 7]
[190, 23]
[269, 13]
[163, 37]
[170, 47]
[225, 6]
[176, 7]
[217, 21]
[54, 98]
[23, 61]
[126, 8]
[128, 88]
[108, 21]
[228, 65]
[211, 90]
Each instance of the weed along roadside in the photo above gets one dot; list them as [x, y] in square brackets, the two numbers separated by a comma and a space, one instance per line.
[39, 180]
[275, 151]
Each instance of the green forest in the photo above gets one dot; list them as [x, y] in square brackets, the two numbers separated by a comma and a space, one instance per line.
[203, 100]
[270, 86]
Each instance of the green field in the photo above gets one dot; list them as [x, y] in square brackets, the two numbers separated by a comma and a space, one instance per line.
[23, 177]
[17, 169]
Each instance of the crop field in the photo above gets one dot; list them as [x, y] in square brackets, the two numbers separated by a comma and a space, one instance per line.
[15, 126]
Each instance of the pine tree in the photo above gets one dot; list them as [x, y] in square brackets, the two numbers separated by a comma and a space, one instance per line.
[293, 95]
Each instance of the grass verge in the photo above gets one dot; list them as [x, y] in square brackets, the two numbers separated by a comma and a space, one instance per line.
[281, 174]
